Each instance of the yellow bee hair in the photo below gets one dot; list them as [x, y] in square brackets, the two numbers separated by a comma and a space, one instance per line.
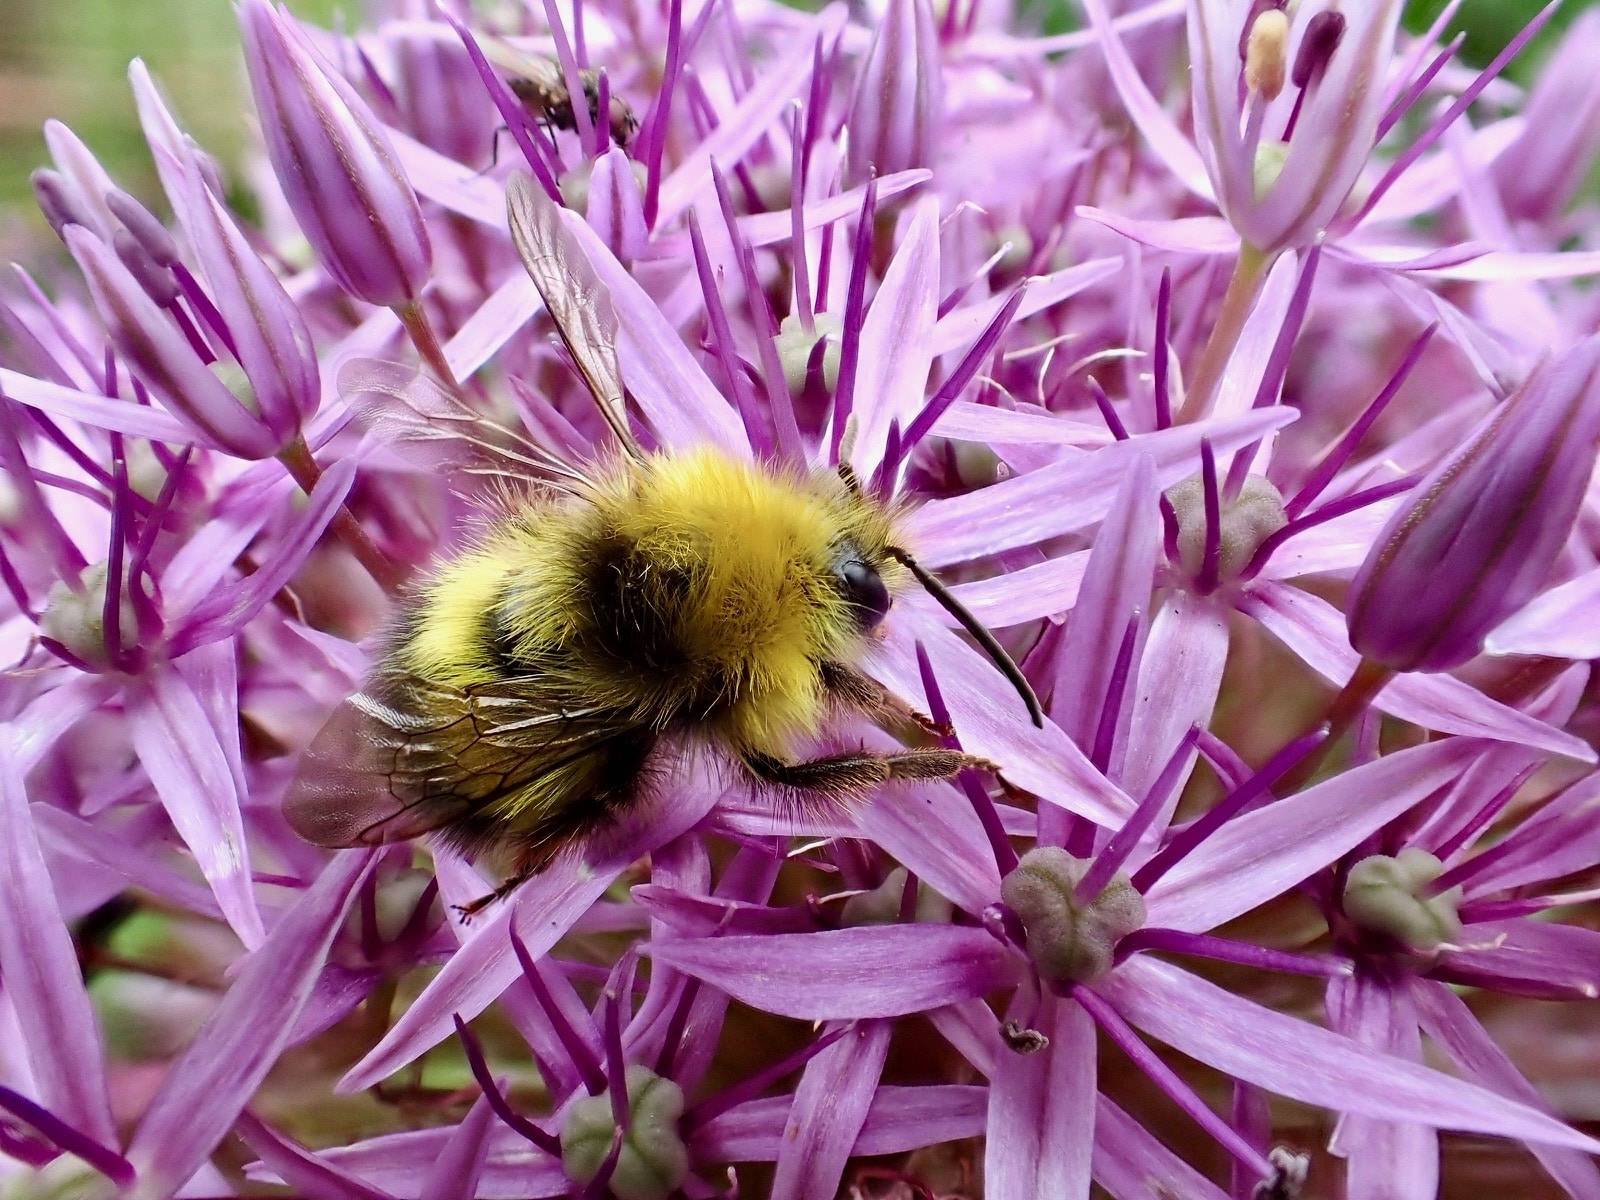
[732, 563]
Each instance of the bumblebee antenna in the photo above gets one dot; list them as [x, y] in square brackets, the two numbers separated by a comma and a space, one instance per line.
[996, 652]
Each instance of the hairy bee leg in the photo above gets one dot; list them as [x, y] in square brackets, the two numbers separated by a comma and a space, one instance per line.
[848, 774]
[869, 697]
[468, 911]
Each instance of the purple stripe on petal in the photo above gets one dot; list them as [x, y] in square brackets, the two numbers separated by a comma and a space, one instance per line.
[829, 1110]
[1042, 1113]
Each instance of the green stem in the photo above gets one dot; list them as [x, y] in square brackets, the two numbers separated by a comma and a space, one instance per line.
[423, 336]
[1369, 679]
[303, 469]
[1249, 275]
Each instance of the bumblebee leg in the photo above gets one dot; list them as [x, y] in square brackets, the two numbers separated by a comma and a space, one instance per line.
[468, 911]
[841, 775]
[870, 698]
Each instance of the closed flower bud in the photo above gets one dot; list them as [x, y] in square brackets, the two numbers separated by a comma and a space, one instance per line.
[895, 117]
[653, 1162]
[337, 169]
[162, 358]
[1476, 540]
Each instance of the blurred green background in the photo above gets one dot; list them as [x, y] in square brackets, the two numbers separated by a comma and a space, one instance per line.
[68, 58]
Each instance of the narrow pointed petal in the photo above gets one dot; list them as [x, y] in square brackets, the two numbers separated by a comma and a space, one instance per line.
[1265, 852]
[42, 979]
[455, 1174]
[214, 1078]
[847, 974]
[177, 743]
[896, 339]
[1179, 678]
[1073, 494]
[1310, 1064]
[1042, 1107]
[1563, 622]
[1315, 631]
[299, 1168]
[1131, 1163]
[900, 1119]
[1451, 1025]
[830, 1108]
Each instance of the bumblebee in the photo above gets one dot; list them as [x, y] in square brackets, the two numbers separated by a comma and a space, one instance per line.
[656, 601]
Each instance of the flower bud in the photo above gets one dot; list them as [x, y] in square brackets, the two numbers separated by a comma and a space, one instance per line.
[268, 334]
[1388, 896]
[77, 618]
[1248, 519]
[162, 357]
[1070, 940]
[143, 226]
[442, 104]
[898, 106]
[337, 169]
[56, 200]
[1479, 536]
[654, 1160]
[1266, 60]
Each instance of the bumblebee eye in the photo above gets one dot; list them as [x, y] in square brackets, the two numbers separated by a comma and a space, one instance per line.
[865, 590]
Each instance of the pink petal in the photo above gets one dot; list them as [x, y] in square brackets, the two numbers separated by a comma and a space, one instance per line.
[119, 416]
[498, 319]
[1179, 677]
[1265, 852]
[1308, 1063]
[214, 1078]
[1315, 631]
[932, 831]
[1071, 495]
[959, 329]
[1132, 1164]
[742, 127]
[991, 721]
[448, 183]
[455, 1174]
[42, 978]
[1451, 1025]
[830, 1108]
[179, 748]
[846, 974]
[1209, 236]
[896, 343]
[1387, 1160]
[1024, 594]
[299, 1168]
[1042, 1114]
[1159, 130]
[900, 1119]
[1563, 622]
[544, 910]
[674, 393]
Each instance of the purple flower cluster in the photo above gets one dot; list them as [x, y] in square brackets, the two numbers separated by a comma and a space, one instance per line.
[1232, 360]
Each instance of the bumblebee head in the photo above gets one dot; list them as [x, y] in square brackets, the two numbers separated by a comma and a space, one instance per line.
[861, 583]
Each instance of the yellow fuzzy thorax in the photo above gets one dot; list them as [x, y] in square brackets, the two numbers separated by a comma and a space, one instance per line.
[735, 559]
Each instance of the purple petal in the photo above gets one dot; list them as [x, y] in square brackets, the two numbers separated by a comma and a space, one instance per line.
[42, 979]
[1563, 622]
[896, 338]
[1210, 236]
[299, 1168]
[497, 320]
[1159, 130]
[1179, 678]
[900, 1119]
[1026, 593]
[544, 910]
[846, 974]
[959, 329]
[1265, 852]
[1132, 1164]
[829, 1110]
[214, 1078]
[1451, 1025]
[1386, 1160]
[991, 721]
[1315, 631]
[1071, 495]
[1042, 1114]
[455, 1174]
[119, 416]
[676, 396]
[933, 832]
[1310, 1064]
[749, 121]
[1545, 955]
[179, 747]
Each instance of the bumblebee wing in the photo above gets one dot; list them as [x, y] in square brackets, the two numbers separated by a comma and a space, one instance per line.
[575, 298]
[399, 404]
[405, 758]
